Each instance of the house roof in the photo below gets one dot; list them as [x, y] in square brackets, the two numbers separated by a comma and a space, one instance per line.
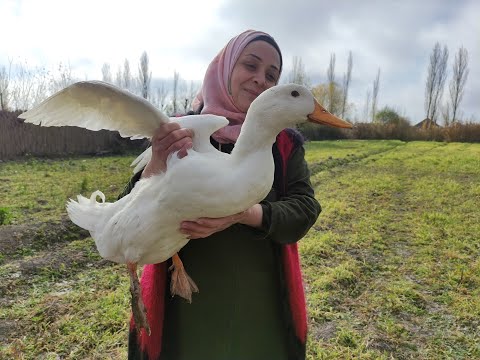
[427, 123]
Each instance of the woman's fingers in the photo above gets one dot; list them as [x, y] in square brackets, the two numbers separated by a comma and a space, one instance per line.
[181, 145]
[204, 227]
[167, 139]
[195, 230]
[167, 135]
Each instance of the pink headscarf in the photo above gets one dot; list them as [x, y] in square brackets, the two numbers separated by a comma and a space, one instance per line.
[214, 94]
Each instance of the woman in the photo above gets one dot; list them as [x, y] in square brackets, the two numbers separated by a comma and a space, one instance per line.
[251, 303]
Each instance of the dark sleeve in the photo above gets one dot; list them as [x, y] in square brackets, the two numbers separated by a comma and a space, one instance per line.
[289, 219]
[130, 185]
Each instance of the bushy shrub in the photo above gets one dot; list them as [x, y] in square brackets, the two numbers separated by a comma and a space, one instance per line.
[321, 132]
[400, 130]
[469, 132]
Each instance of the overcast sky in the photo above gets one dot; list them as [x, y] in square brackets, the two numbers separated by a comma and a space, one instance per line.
[184, 35]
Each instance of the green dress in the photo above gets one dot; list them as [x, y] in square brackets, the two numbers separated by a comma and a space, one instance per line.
[238, 312]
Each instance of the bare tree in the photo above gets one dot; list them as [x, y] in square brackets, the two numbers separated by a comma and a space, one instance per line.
[23, 86]
[431, 79]
[160, 96]
[435, 80]
[26, 86]
[40, 89]
[4, 84]
[445, 112]
[187, 95]
[459, 78]
[193, 91]
[346, 82]
[118, 77]
[106, 73]
[127, 76]
[176, 78]
[298, 74]
[366, 110]
[376, 86]
[331, 82]
[144, 76]
[442, 76]
[62, 79]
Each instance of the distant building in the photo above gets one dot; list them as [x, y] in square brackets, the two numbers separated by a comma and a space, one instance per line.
[427, 124]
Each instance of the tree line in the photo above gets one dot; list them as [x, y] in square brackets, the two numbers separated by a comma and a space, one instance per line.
[22, 87]
[333, 94]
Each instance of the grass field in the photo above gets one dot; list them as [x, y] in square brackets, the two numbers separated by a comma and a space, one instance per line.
[391, 268]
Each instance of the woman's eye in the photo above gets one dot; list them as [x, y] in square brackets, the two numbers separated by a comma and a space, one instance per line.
[250, 66]
[271, 78]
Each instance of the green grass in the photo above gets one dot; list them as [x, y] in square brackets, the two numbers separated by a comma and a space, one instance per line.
[72, 305]
[391, 268]
[393, 259]
[37, 189]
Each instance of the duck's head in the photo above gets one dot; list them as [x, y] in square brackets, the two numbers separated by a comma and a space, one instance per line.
[286, 105]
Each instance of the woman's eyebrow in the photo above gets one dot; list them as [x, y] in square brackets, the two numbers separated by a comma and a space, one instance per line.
[260, 59]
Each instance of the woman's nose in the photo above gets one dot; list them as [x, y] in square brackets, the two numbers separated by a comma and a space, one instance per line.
[260, 79]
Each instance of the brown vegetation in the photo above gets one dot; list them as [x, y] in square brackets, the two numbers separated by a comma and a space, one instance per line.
[458, 132]
[19, 139]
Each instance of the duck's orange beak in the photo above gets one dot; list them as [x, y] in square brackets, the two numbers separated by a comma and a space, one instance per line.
[321, 116]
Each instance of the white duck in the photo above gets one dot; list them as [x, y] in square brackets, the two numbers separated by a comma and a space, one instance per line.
[143, 227]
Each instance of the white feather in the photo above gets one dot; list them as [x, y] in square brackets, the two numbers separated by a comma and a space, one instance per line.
[202, 125]
[96, 105]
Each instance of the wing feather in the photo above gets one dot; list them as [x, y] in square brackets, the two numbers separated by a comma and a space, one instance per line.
[96, 105]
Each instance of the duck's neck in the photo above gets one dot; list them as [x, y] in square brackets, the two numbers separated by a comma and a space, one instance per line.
[255, 137]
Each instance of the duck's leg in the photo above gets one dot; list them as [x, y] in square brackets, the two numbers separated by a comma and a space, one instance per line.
[181, 284]
[138, 308]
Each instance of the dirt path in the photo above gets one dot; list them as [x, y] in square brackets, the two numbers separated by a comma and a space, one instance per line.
[32, 254]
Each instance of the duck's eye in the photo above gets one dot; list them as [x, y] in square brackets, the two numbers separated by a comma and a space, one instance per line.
[295, 93]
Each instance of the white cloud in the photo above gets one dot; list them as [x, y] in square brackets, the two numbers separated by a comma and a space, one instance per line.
[185, 35]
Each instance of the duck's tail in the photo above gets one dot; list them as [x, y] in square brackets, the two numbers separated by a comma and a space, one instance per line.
[87, 213]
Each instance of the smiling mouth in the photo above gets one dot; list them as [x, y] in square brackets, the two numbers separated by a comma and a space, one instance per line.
[253, 93]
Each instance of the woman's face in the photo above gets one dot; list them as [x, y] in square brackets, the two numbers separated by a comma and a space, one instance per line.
[256, 70]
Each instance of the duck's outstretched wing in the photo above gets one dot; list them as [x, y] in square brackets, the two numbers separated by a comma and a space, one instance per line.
[96, 105]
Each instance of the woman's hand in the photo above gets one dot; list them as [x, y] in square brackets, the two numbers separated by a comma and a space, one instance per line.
[204, 227]
[167, 139]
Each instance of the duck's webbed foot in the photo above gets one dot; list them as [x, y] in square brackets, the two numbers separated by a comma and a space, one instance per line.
[138, 308]
[181, 284]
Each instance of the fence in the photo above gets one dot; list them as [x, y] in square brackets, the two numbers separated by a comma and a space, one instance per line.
[18, 139]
